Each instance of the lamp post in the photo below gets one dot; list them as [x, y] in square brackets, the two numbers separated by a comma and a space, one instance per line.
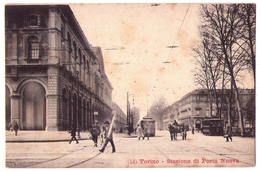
[129, 116]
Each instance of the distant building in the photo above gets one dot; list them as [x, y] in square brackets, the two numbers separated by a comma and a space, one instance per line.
[54, 77]
[120, 120]
[195, 106]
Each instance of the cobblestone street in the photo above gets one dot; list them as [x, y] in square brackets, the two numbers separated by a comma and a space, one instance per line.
[159, 151]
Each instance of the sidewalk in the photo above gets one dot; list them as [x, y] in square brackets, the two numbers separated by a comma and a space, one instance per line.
[43, 136]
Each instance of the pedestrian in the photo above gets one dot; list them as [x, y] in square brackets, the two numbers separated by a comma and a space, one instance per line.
[95, 132]
[10, 126]
[15, 127]
[171, 131]
[73, 134]
[103, 134]
[140, 133]
[228, 132]
[184, 133]
[176, 128]
[109, 138]
[192, 130]
[78, 131]
[147, 132]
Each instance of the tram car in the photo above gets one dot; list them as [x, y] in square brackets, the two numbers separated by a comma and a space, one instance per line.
[148, 125]
[212, 127]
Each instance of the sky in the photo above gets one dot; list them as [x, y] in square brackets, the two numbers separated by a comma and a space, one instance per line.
[134, 40]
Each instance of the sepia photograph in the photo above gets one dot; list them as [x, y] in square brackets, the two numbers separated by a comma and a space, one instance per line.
[130, 85]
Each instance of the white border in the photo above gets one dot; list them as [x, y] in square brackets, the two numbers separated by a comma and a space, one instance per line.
[2, 68]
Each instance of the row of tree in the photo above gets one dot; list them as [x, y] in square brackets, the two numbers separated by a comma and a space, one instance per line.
[226, 49]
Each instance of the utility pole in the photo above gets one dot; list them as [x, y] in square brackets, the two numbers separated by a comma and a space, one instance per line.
[129, 116]
[127, 113]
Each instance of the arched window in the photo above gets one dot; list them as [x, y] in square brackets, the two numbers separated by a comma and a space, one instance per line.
[80, 59]
[75, 50]
[69, 41]
[87, 67]
[33, 48]
[79, 62]
[74, 62]
[84, 68]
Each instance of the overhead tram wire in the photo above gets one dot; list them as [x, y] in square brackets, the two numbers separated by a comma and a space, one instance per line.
[178, 31]
[171, 47]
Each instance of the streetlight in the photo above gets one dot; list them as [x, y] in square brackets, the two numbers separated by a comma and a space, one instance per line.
[129, 116]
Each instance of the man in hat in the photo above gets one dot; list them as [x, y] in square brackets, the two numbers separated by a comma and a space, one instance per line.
[95, 132]
[73, 134]
[15, 127]
[228, 132]
[109, 138]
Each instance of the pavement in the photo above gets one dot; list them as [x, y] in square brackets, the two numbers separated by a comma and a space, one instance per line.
[48, 136]
[42, 136]
[197, 151]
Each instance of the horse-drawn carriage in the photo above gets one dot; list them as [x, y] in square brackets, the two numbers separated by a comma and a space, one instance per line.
[176, 128]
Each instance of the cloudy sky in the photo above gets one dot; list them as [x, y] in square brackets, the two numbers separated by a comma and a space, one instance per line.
[134, 40]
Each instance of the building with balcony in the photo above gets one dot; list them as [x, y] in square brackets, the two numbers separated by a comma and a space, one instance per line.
[54, 78]
[195, 106]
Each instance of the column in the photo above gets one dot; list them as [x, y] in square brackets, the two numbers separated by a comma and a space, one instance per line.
[53, 98]
[53, 38]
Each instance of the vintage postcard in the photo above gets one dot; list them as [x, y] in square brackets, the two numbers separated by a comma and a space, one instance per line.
[130, 85]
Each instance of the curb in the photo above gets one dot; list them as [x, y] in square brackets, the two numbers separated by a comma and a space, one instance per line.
[40, 141]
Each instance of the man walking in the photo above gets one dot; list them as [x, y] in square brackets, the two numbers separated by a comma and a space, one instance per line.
[228, 132]
[103, 134]
[171, 131]
[95, 132]
[140, 133]
[184, 132]
[73, 134]
[15, 127]
[175, 128]
[109, 138]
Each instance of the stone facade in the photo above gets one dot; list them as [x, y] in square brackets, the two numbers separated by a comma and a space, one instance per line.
[120, 120]
[195, 106]
[54, 78]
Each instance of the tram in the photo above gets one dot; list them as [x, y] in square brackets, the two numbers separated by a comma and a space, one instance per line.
[148, 125]
[212, 126]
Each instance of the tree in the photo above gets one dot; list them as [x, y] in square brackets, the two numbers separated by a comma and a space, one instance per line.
[156, 110]
[230, 31]
[248, 14]
[223, 25]
[208, 73]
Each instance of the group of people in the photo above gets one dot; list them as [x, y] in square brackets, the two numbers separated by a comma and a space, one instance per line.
[105, 132]
[142, 132]
[174, 128]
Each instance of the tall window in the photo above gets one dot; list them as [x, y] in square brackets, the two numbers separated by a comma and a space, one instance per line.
[79, 63]
[75, 57]
[32, 20]
[33, 48]
[69, 41]
[84, 69]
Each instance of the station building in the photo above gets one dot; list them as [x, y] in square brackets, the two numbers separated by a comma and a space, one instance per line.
[55, 79]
